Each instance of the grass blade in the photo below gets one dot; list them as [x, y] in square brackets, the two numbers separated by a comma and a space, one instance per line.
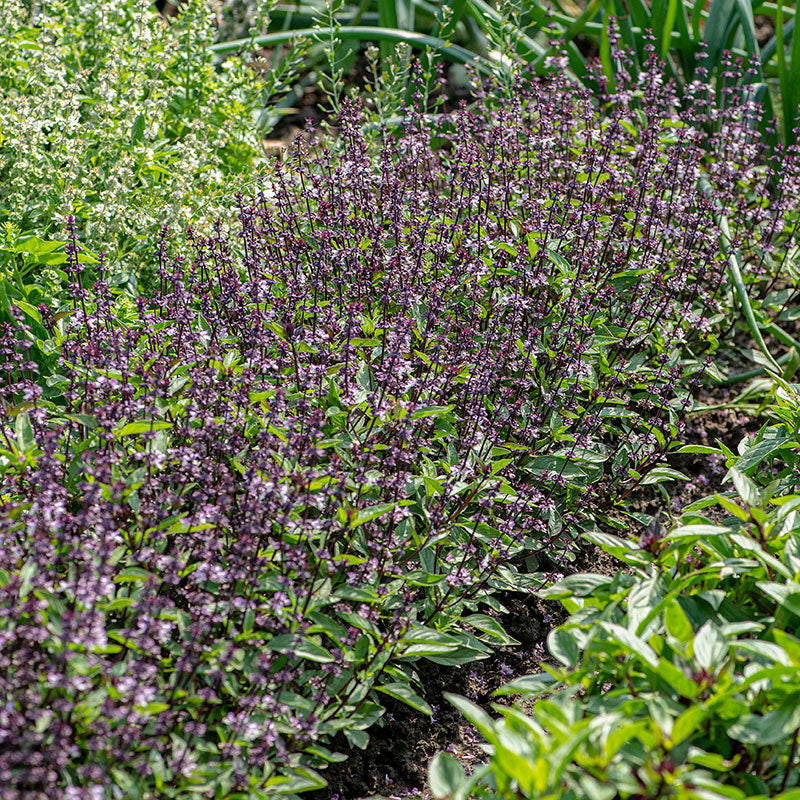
[669, 24]
[451, 52]
[748, 25]
[387, 16]
[792, 89]
[717, 29]
[783, 74]
[735, 273]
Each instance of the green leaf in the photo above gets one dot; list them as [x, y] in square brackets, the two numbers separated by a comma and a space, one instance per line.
[677, 623]
[578, 585]
[24, 432]
[33, 245]
[290, 644]
[661, 475]
[769, 650]
[632, 643]
[373, 512]
[556, 465]
[431, 411]
[404, 693]
[142, 426]
[356, 738]
[771, 728]
[687, 723]
[137, 129]
[698, 448]
[133, 575]
[563, 646]
[462, 655]
[745, 487]
[490, 626]
[126, 782]
[710, 647]
[716, 28]
[29, 569]
[785, 595]
[475, 714]
[710, 760]
[30, 310]
[694, 532]
[617, 547]
[675, 678]
[758, 452]
[300, 779]
[421, 641]
[445, 776]
[529, 684]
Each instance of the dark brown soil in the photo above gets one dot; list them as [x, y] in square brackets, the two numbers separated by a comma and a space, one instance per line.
[395, 762]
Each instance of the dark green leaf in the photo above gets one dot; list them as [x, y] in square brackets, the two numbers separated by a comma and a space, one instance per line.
[404, 693]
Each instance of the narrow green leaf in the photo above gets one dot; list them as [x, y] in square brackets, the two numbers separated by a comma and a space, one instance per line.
[529, 684]
[490, 626]
[143, 426]
[715, 31]
[447, 50]
[24, 432]
[373, 512]
[137, 129]
[632, 643]
[301, 647]
[582, 584]
[475, 714]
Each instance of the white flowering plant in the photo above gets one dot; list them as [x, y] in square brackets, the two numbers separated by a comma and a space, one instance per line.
[124, 118]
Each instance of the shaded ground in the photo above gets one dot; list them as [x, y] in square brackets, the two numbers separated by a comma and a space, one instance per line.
[395, 762]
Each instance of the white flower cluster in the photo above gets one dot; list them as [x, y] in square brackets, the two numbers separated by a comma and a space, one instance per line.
[121, 117]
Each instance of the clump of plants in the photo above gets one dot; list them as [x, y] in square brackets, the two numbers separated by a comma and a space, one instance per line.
[236, 514]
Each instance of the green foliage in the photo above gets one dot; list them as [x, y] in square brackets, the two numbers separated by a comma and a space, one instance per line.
[127, 121]
[678, 677]
[693, 38]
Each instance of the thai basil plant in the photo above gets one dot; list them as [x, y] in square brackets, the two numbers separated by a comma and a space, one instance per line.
[236, 514]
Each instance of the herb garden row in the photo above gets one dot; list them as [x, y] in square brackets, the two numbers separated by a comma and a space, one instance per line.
[259, 470]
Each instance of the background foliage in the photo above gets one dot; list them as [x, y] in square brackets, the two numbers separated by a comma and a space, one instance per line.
[124, 119]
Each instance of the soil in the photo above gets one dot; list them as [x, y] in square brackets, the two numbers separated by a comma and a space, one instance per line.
[395, 762]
